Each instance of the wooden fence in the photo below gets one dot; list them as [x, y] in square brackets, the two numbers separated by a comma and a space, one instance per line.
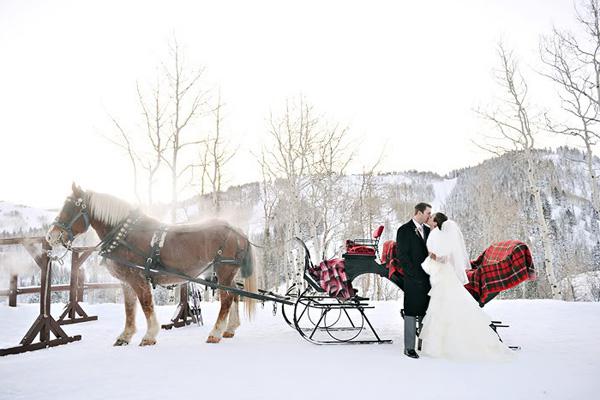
[45, 324]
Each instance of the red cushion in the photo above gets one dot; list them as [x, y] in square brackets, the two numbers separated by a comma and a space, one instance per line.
[378, 232]
[364, 250]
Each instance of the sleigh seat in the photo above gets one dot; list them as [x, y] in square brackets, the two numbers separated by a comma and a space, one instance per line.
[364, 247]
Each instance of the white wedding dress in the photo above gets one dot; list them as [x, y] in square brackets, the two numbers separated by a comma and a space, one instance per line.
[455, 326]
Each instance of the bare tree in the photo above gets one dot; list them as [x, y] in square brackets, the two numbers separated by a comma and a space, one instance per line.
[154, 116]
[147, 152]
[368, 207]
[124, 142]
[330, 159]
[271, 270]
[187, 101]
[288, 158]
[517, 133]
[306, 157]
[574, 65]
[168, 116]
[215, 156]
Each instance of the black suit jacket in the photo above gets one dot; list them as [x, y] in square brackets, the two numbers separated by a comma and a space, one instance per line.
[412, 251]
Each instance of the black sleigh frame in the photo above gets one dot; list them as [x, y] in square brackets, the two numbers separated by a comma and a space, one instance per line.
[322, 319]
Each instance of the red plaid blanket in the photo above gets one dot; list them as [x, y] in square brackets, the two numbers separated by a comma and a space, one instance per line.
[500, 267]
[331, 275]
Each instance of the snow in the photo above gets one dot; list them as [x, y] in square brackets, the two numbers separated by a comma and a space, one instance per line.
[586, 286]
[560, 359]
[14, 217]
[442, 190]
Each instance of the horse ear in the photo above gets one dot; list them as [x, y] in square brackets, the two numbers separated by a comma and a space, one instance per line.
[76, 189]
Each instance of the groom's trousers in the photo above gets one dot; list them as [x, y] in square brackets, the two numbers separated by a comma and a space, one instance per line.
[410, 332]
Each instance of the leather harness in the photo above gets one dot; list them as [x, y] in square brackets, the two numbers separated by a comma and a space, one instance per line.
[116, 238]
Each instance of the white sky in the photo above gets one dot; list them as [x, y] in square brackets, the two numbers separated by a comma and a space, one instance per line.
[404, 75]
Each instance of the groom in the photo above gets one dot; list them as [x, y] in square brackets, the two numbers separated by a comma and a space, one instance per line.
[411, 242]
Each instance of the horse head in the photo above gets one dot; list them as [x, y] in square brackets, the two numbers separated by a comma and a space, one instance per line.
[72, 220]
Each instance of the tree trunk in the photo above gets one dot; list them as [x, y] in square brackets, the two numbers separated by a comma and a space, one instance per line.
[593, 177]
[174, 194]
[546, 242]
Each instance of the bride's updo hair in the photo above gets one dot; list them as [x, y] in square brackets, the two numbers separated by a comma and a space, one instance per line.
[439, 219]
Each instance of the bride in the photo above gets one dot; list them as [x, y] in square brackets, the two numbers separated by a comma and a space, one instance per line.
[454, 326]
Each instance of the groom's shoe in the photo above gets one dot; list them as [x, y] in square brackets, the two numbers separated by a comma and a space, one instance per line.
[411, 353]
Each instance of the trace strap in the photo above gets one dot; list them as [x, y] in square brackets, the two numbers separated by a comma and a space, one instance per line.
[157, 242]
[163, 270]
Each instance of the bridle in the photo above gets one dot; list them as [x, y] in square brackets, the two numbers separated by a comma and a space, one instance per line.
[68, 227]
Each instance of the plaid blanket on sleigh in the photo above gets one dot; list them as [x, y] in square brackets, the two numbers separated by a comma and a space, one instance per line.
[500, 267]
[331, 275]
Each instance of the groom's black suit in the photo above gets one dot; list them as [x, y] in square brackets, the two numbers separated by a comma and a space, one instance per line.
[412, 251]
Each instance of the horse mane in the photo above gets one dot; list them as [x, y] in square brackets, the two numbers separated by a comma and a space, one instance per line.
[107, 208]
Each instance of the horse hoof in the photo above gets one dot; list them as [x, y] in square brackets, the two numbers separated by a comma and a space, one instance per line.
[228, 334]
[148, 342]
[213, 339]
[121, 342]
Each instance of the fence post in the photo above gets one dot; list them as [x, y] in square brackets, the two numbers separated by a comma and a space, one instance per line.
[12, 291]
[183, 314]
[80, 283]
[45, 265]
[73, 308]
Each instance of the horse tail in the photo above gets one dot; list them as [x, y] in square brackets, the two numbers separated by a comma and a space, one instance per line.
[249, 274]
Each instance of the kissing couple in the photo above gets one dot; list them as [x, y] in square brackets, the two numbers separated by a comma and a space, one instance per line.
[432, 250]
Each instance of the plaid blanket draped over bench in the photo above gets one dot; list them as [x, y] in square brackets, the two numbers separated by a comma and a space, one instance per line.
[332, 278]
[500, 267]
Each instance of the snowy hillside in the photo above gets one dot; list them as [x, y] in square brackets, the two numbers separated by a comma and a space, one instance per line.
[17, 219]
[490, 201]
[559, 360]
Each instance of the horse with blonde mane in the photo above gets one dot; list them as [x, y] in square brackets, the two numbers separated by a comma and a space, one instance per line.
[129, 239]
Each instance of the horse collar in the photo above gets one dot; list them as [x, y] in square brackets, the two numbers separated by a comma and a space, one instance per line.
[117, 236]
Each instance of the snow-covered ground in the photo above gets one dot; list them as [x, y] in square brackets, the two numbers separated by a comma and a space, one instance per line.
[560, 359]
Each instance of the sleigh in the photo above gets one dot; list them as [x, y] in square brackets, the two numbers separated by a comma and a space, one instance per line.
[328, 310]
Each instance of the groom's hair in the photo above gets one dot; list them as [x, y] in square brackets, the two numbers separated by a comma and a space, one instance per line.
[421, 207]
[439, 219]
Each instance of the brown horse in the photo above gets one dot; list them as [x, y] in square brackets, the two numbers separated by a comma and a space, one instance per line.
[130, 237]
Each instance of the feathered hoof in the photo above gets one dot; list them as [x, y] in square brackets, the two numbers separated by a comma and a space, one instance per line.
[148, 342]
[228, 335]
[213, 339]
[121, 342]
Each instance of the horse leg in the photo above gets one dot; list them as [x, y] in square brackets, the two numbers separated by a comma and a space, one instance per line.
[215, 334]
[142, 289]
[234, 318]
[130, 306]
[225, 274]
